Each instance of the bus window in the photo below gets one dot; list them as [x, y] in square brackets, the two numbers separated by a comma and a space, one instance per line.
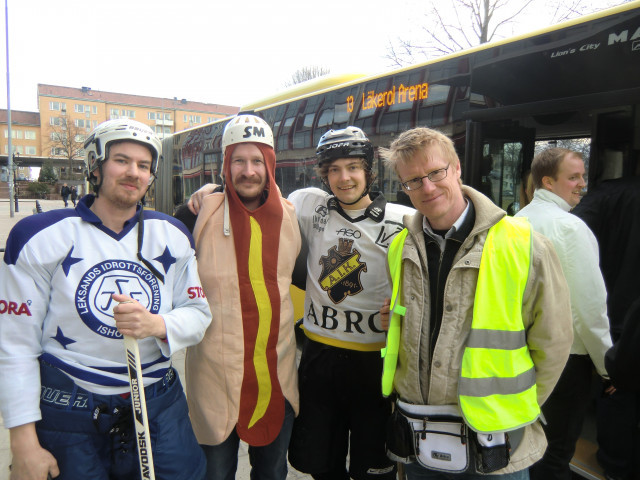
[283, 134]
[326, 118]
[500, 174]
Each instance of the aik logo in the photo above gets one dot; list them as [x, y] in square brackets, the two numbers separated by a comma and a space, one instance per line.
[341, 270]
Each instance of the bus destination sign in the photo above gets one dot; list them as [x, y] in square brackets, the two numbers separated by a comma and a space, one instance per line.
[397, 94]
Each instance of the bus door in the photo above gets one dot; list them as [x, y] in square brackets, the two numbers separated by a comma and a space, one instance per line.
[496, 156]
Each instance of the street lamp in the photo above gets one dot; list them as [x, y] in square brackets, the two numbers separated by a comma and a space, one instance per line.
[15, 185]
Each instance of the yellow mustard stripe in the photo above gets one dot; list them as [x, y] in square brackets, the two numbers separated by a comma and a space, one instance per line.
[256, 276]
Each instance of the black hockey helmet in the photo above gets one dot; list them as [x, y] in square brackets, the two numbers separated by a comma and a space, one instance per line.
[345, 143]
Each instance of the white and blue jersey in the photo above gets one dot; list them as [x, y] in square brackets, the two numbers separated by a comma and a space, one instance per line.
[59, 271]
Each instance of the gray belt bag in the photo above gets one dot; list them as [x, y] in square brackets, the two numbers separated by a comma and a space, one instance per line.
[437, 437]
[433, 435]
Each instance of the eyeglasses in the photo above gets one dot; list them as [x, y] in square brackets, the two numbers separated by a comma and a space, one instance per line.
[435, 176]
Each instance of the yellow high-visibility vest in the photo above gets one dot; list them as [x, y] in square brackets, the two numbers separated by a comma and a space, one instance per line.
[497, 385]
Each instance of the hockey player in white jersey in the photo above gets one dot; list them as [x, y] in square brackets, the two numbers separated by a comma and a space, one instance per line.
[347, 233]
[75, 282]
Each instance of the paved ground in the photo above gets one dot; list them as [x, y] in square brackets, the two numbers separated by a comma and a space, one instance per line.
[26, 207]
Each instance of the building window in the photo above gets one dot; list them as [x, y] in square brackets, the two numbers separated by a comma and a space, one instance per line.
[57, 121]
[192, 119]
[57, 106]
[79, 122]
[151, 115]
[30, 135]
[58, 137]
[19, 134]
[80, 108]
[57, 152]
[80, 138]
[94, 110]
[159, 129]
[30, 150]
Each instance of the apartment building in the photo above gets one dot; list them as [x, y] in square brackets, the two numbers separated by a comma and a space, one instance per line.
[25, 138]
[67, 114]
[80, 110]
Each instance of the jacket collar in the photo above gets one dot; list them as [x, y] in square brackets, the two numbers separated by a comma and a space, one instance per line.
[487, 213]
[545, 195]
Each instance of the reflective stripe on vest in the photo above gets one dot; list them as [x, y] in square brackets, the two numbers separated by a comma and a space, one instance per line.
[497, 385]
[390, 352]
[497, 390]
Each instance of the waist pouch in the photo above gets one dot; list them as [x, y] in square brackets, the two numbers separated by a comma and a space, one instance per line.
[437, 438]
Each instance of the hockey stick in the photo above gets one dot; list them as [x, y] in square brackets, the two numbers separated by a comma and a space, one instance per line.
[139, 404]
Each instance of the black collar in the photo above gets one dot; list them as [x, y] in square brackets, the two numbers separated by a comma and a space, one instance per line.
[375, 210]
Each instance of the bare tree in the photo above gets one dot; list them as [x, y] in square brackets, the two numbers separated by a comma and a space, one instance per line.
[66, 139]
[306, 73]
[448, 27]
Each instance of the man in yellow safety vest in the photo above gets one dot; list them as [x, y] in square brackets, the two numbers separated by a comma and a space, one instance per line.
[480, 321]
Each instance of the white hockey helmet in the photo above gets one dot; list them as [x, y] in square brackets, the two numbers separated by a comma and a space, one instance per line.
[96, 146]
[246, 128]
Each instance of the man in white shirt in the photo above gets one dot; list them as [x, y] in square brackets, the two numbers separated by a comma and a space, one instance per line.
[558, 179]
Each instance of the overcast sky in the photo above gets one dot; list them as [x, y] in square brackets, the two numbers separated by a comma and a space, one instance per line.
[227, 52]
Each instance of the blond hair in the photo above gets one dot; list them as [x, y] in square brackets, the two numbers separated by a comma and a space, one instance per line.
[415, 141]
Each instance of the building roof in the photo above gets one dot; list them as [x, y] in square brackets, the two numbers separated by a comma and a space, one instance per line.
[90, 95]
[20, 118]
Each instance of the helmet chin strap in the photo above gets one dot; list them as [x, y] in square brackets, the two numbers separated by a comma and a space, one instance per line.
[96, 185]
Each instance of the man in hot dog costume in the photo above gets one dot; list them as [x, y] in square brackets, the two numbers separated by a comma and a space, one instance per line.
[241, 379]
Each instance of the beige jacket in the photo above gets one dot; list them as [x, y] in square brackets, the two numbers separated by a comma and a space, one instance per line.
[215, 367]
[546, 313]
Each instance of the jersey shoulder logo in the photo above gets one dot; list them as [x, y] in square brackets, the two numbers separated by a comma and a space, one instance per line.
[341, 270]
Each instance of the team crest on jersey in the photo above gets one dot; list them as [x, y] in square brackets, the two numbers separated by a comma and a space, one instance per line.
[93, 296]
[341, 270]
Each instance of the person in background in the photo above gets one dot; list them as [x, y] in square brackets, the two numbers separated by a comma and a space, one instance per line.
[558, 179]
[217, 179]
[241, 379]
[65, 191]
[526, 189]
[78, 281]
[479, 327]
[623, 358]
[74, 195]
[612, 212]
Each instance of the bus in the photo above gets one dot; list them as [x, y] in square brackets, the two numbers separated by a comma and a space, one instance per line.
[578, 81]
[574, 84]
